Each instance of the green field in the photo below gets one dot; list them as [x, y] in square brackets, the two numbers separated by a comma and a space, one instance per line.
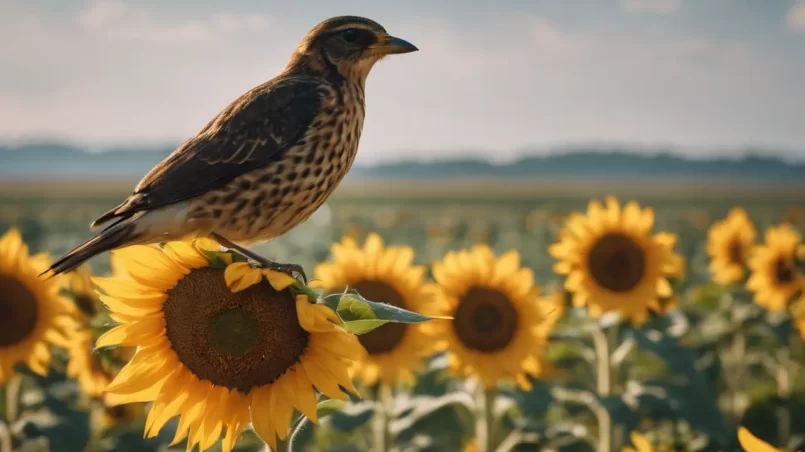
[436, 217]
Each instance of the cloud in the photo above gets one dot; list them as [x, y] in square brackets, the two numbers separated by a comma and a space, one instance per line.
[102, 12]
[796, 17]
[114, 19]
[661, 7]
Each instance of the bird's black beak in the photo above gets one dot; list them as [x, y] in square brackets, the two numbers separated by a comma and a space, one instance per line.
[392, 45]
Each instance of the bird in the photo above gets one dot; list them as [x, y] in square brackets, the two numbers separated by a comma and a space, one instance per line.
[266, 162]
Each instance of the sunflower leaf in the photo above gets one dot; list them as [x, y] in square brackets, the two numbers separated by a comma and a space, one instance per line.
[362, 316]
[364, 326]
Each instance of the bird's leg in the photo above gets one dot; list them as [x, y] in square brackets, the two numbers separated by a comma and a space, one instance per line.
[262, 261]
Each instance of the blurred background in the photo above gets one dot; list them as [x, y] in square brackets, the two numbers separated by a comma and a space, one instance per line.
[511, 116]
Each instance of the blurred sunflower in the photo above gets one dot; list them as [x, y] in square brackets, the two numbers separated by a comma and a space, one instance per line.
[775, 276]
[33, 315]
[640, 442]
[612, 261]
[381, 274]
[500, 325]
[84, 366]
[87, 367]
[728, 245]
[676, 275]
[220, 345]
[107, 416]
[751, 443]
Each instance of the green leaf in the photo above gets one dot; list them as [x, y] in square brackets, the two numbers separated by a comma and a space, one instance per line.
[364, 326]
[361, 316]
[216, 258]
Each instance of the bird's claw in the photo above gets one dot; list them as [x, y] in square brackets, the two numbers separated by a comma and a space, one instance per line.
[293, 270]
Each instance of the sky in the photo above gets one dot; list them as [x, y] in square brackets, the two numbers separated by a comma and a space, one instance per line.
[494, 78]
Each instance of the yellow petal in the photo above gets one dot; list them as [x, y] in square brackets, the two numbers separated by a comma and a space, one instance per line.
[322, 379]
[149, 266]
[752, 443]
[262, 416]
[641, 443]
[142, 333]
[132, 308]
[12, 246]
[281, 408]
[315, 317]
[305, 396]
[278, 280]
[185, 254]
[240, 276]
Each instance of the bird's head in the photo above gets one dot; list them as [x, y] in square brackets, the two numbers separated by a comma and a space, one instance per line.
[348, 46]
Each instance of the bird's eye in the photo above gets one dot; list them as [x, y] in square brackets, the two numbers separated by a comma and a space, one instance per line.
[350, 35]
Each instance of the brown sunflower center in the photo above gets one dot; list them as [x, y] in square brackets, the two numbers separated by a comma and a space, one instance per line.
[784, 271]
[385, 338]
[237, 340]
[486, 320]
[617, 262]
[18, 311]
[735, 252]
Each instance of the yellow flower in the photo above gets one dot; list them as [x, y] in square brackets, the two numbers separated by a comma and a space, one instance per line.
[500, 325]
[107, 416]
[612, 261]
[728, 245]
[641, 444]
[83, 292]
[775, 276]
[751, 443]
[85, 366]
[33, 316]
[219, 347]
[382, 274]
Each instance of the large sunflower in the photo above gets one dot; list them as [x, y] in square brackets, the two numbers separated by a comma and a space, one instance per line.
[382, 274]
[220, 345]
[33, 316]
[613, 262]
[728, 245]
[775, 276]
[500, 325]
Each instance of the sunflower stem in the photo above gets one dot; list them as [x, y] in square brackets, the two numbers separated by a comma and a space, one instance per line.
[13, 397]
[784, 379]
[380, 425]
[603, 385]
[484, 418]
[297, 427]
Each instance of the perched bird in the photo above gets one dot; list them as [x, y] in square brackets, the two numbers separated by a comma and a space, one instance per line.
[267, 161]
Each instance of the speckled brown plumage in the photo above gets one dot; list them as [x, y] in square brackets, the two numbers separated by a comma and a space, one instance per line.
[268, 160]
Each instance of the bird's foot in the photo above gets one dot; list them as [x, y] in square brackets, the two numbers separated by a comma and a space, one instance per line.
[293, 270]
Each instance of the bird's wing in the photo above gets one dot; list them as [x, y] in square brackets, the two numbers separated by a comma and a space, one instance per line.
[252, 132]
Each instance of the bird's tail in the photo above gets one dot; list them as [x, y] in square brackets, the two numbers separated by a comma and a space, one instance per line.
[119, 234]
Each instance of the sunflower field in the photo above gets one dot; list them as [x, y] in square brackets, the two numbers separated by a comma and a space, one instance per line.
[605, 324]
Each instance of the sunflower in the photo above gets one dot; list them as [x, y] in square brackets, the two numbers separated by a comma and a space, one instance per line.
[382, 274]
[33, 316]
[728, 245]
[220, 345]
[499, 324]
[775, 276]
[612, 261]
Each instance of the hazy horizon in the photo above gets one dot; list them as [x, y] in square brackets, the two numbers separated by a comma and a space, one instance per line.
[705, 78]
